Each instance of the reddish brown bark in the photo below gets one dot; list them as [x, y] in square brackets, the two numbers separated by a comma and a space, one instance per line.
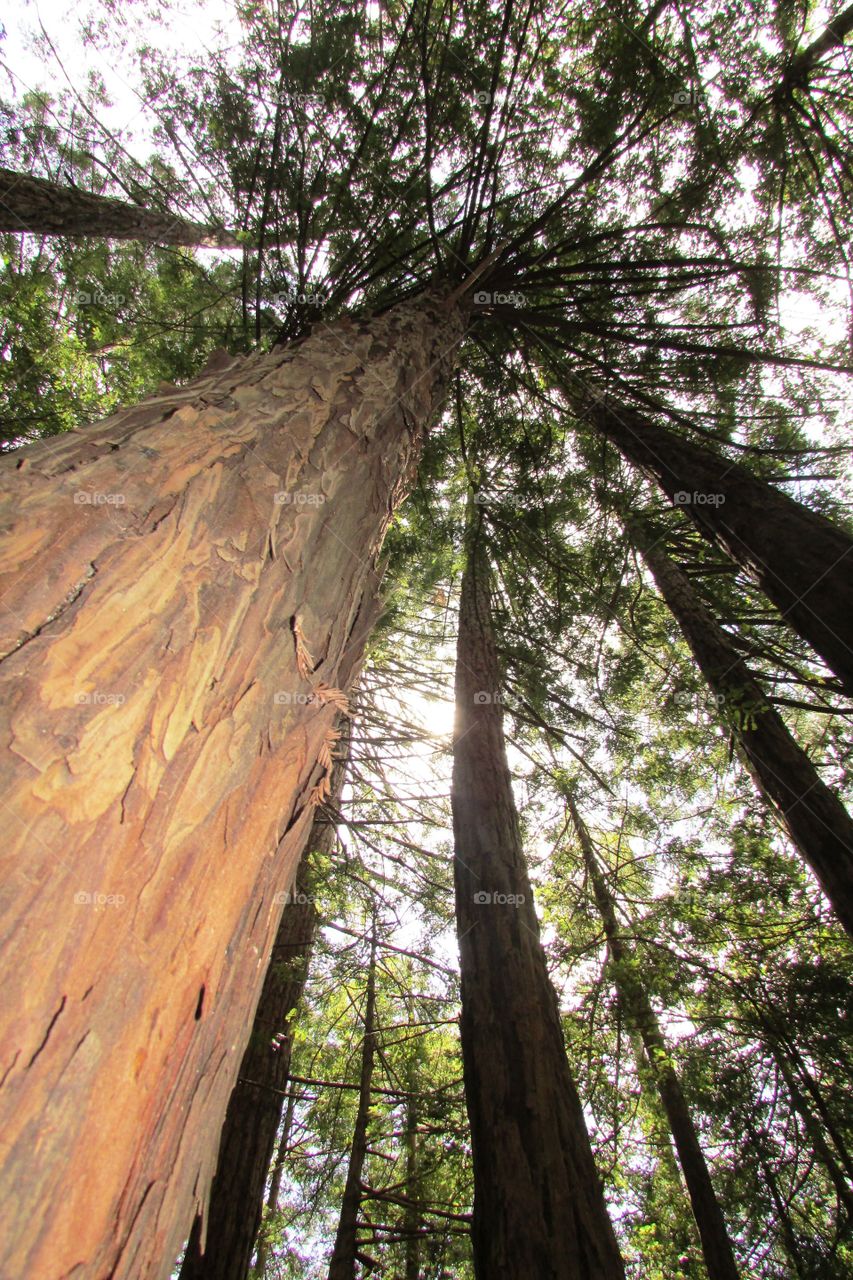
[28, 203]
[802, 561]
[160, 754]
[538, 1206]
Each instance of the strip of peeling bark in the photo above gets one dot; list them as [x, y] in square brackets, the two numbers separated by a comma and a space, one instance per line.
[29, 203]
[184, 588]
[538, 1204]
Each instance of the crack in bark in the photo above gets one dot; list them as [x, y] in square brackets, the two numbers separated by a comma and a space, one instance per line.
[47, 1033]
[72, 596]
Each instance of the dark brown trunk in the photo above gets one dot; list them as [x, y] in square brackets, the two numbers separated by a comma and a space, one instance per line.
[171, 681]
[538, 1204]
[818, 823]
[716, 1245]
[412, 1221]
[801, 561]
[345, 1253]
[275, 1186]
[254, 1110]
[28, 203]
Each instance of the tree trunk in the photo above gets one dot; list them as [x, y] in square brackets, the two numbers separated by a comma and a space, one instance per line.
[818, 823]
[538, 1205]
[716, 1246]
[344, 1255]
[177, 583]
[253, 1117]
[28, 203]
[275, 1186]
[412, 1220]
[801, 560]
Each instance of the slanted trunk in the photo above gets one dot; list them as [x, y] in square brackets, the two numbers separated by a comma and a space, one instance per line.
[182, 587]
[538, 1205]
[253, 1117]
[345, 1253]
[716, 1246]
[275, 1186]
[801, 560]
[817, 822]
[28, 203]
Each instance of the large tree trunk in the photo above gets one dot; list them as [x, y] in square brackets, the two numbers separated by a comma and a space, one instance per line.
[716, 1246]
[28, 203]
[801, 560]
[253, 1117]
[345, 1252]
[161, 763]
[538, 1205]
[818, 823]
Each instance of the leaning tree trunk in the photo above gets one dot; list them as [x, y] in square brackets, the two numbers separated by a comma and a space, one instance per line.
[538, 1205]
[345, 1253]
[28, 203]
[801, 560]
[818, 823]
[253, 1117]
[186, 589]
[716, 1245]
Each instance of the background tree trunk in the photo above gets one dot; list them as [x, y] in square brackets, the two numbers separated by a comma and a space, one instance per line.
[253, 1117]
[818, 823]
[801, 560]
[716, 1246]
[35, 204]
[538, 1205]
[161, 750]
[345, 1253]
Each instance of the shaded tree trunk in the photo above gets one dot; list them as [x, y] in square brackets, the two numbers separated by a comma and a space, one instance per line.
[716, 1245]
[168, 694]
[801, 560]
[538, 1205]
[818, 823]
[253, 1117]
[275, 1186]
[412, 1221]
[28, 203]
[345, 1253]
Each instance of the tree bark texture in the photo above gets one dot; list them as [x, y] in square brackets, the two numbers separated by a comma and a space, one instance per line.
[538, 1204]
[29, 203]
[802, 561]
[716, 1245]
[185, 588]
[817, 822]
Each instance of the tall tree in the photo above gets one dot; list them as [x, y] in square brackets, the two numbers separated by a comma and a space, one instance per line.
[30, 203]
[816, 819]
[716, 1245]
[538, 1205]
[187, 589]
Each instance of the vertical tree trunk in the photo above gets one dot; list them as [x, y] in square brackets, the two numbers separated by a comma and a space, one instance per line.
[716, 1246]
[801, 560]
[254, 1109]
[35, 204]
[538, 1205]
[275, 1186]
[185, 588]
[412, 1220]
[345, 1253]
[818, 823]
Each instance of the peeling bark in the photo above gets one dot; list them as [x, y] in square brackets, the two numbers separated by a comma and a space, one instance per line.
[538, 1205]
[161, 741]
[28, 203]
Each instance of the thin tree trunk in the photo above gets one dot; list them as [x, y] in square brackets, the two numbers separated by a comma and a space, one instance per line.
[825, 1155]
[28, 203]
[275, 1186]
[818, 823]
[166, 710]
[538, 1204]
[801, 560]
[412, 1221]
[345, 1253]
[716, 1246]
[254, 1109]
